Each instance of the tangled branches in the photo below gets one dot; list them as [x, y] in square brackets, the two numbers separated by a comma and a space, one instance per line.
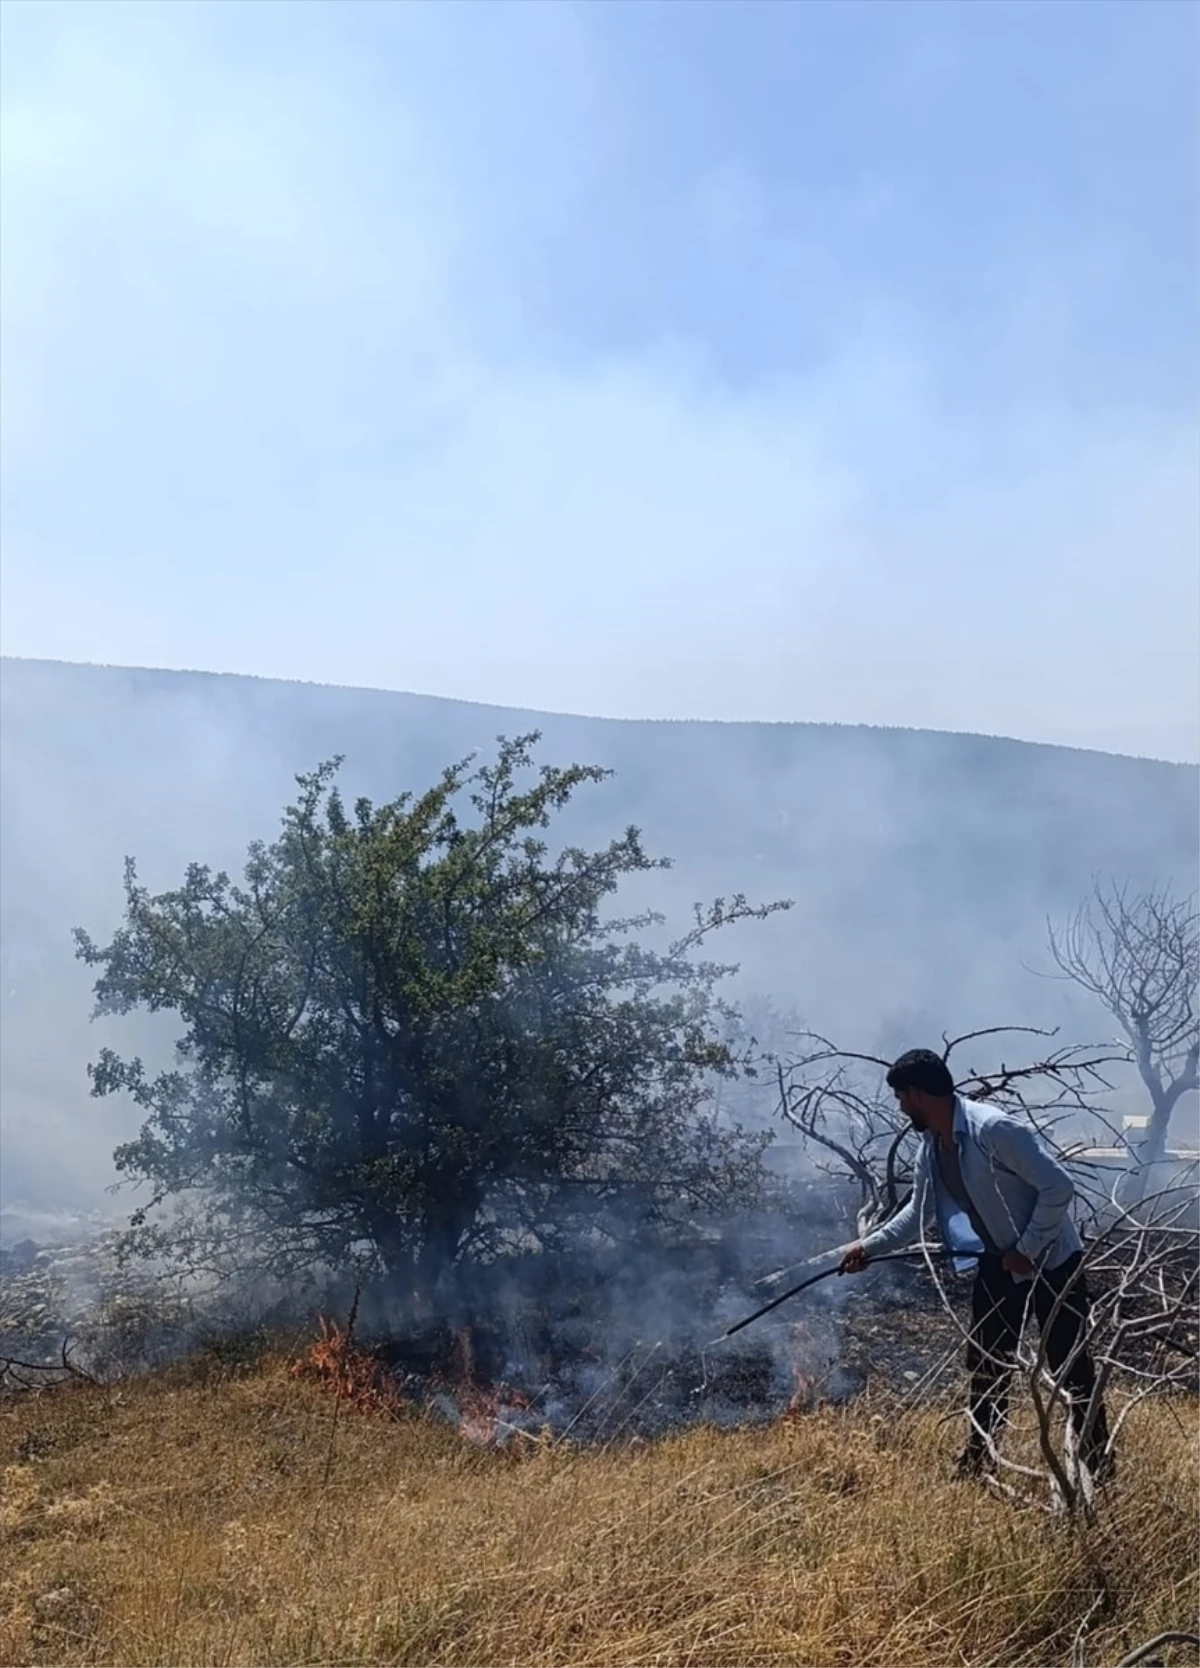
[836, 1099]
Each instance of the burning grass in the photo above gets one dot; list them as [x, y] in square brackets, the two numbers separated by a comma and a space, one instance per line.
[212, 1516]
[350, 1373]
[652, 1390]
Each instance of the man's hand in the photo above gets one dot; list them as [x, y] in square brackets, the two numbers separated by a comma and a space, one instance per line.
[1014, 1263]
[854, 1261]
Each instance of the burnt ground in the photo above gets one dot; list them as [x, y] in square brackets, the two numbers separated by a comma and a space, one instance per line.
[588, 1375]
[622, 1344]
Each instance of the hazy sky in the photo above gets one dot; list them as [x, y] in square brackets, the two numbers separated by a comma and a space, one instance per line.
[789, 360]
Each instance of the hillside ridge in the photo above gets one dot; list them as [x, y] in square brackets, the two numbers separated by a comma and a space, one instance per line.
[923, 864]
[201, 674]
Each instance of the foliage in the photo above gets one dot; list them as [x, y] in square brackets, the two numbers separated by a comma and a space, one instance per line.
[409, 1037]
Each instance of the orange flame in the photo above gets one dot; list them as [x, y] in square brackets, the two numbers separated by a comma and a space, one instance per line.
[802, 1396]
[804, 1393]
[480, 1407]
[350, 1373]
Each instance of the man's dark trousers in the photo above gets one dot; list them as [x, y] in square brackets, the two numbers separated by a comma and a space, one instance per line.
[998, 1306]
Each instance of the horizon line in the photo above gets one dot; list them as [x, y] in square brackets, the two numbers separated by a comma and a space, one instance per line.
[592, 717]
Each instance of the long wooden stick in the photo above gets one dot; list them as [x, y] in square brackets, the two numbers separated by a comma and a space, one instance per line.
[886, 1257]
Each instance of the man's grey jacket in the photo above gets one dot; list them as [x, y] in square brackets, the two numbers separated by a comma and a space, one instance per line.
[1021, 1194]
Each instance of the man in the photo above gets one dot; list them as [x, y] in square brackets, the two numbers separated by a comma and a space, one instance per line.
[996, 1192]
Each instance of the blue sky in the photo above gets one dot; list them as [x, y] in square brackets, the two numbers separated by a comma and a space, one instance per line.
[782, 361]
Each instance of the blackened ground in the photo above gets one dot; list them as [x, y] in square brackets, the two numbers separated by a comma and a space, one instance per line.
[583, 1368]
[587, 1354]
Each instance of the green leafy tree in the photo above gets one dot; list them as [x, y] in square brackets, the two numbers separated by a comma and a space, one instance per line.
[413, 1037]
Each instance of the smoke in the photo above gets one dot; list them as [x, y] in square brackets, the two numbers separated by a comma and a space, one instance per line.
[481, 349]
[502, 307]
[922, 866]
[922, 869]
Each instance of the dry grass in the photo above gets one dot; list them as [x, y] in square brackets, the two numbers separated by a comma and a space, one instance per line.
[189, 1519]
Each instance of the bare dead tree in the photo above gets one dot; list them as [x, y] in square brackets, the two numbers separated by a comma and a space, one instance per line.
[852, 1126]
[1144, 1280]
[1141, 1261]
[1143, 1333]
[837, 1100]
[1138, 954]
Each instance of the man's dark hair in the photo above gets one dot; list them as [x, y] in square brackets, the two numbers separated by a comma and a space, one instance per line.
[921, 1069]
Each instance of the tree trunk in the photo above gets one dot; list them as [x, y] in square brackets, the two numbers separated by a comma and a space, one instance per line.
[417, 1255]
[445, 1228]
[1150, 1150]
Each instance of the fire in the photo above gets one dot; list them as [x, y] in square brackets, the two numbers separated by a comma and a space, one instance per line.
[804, 1393]
[481, 1407]
[802, 1396]
[357, 1378]
[352, 1374]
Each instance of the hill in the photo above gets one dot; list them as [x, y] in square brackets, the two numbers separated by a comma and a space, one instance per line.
[923, 865]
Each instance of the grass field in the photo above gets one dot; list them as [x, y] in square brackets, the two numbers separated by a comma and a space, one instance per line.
[222, 1515]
